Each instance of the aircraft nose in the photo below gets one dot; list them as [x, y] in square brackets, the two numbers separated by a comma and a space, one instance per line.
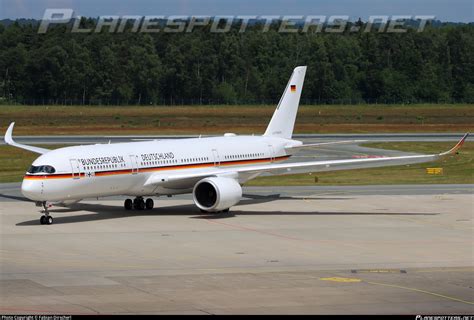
[32, 189]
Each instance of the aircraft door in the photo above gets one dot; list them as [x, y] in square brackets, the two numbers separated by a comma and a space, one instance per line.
[271, 153]
[134, 163]
[76, 169]
[215, 155]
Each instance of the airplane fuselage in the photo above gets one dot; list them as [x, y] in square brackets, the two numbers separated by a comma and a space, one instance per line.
[122, 169]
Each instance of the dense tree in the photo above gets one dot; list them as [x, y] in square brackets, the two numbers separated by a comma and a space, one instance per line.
[250, 67]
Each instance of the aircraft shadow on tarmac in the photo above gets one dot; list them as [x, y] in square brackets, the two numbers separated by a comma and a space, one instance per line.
[6, 196]
[105, 212]
[251, 198]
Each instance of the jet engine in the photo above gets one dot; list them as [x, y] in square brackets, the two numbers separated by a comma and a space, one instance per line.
[216, 193]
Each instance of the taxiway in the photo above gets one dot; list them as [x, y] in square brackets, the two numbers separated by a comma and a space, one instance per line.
[349, 250]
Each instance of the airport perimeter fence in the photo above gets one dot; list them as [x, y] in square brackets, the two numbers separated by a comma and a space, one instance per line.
[208, 102]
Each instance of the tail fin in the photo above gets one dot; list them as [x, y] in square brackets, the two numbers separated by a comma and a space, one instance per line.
[283, 120]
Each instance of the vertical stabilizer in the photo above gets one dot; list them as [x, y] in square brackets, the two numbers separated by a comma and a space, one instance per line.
[283, 120]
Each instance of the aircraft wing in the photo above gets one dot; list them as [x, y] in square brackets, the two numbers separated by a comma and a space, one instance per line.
[298, 167]
[346, 164]
[9, 141]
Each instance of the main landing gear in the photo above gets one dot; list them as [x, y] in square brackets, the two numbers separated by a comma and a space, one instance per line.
[138, 204]
[46, 218]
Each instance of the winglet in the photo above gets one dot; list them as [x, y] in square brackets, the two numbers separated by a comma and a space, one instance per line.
[8, 135]
[9, 140]
[456, 147]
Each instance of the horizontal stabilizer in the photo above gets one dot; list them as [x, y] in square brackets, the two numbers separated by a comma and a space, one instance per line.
[323, 144]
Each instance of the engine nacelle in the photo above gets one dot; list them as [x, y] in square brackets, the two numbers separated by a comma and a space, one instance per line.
[216, 193]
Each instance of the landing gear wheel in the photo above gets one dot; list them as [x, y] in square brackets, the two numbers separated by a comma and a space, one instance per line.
[204, 211]
[128, 204]
[226, 210]
[149, 204]
[139, 203]
[46, 218]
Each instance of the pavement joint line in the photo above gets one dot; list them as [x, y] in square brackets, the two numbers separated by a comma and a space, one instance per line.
[433, 223]
[282, 236]
[421, 291]
[78, 305]
[335, 193]
[206, 312]
[461, 269]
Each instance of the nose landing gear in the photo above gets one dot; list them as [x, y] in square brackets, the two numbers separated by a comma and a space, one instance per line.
[46, 218]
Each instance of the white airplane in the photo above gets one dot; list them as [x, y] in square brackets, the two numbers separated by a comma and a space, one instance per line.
[212, 169]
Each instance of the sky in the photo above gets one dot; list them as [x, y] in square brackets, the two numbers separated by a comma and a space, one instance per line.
[444, 10]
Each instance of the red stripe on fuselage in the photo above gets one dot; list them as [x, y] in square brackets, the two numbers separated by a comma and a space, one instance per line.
[153, 169]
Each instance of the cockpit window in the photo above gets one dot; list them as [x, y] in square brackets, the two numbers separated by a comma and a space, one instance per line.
[41, 169]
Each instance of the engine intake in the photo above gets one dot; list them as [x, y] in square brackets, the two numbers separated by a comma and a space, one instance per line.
[216, 193]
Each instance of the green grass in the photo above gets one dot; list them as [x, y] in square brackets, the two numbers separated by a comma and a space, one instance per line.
[456, 169]
[76, 120]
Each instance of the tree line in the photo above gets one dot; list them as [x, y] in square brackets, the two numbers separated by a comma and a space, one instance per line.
[200, 67]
